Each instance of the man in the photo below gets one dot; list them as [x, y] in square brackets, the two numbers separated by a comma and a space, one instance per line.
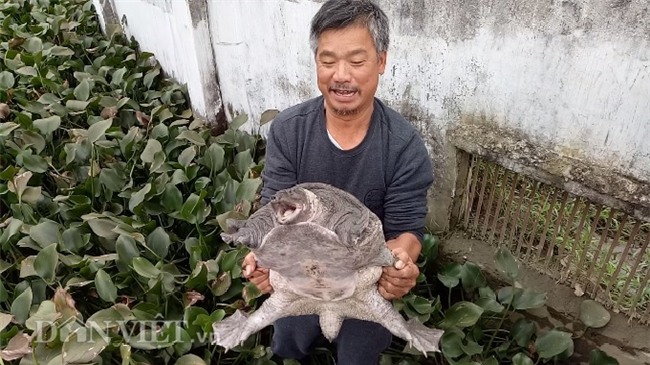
[350, 139]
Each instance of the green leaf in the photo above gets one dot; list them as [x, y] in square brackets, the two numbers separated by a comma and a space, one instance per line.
[4, 294]
[243, 162]
[461, 315]
[33, 45]
[521, 299]
[190, 359]
[21, 306]
[451, 344]
[449, 276]
[48, 98]
[83, 345]
[593, 314]
[110, 317]
[45, 233]
[44, 316]
[158, 241]
[27, 71]
[111, 179]
[145, 268]
[149, 77]
[73, 240]
[33, 163]
[172, 198]
[103, 227]
[27, 267]
[213, 158]
[507, 264]
[48, 125]
[46, 262]
[158, 160]
[61, 51]
[221, 285]
[472, 348]
[108, 102]
[7, 81]
[190, 208]
[105, 287]
[490, 305]
[553, 343]
[138, 197]
[76, 105]
[268, 116]
[598, 357]
[247, 190]
[4, 266]
[150, 150]
[522, 332]
[126, 249]
[472, 277]
[118, 76]
[186, 157]
[238, 121]
[521, 359]
[193, 137]
[165, 114]
[5, 319]
[98, 130]
[82, 91]
[6, 128]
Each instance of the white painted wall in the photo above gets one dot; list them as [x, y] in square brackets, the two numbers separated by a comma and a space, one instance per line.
[262, 52]
[574, 73]
[164, 27]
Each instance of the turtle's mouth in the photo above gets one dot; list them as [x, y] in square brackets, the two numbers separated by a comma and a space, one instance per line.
[286, 211]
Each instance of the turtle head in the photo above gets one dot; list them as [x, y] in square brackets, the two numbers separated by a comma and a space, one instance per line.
[294, 205]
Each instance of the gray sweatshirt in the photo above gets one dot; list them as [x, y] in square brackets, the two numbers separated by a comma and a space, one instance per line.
[389, 171]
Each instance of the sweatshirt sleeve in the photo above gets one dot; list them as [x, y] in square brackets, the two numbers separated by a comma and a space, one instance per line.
[280, 165]
[405, 206]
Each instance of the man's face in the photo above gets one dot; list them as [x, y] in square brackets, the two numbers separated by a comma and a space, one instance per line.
[348, 69]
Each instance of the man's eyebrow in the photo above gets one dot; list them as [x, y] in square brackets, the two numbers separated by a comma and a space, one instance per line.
[352, 53]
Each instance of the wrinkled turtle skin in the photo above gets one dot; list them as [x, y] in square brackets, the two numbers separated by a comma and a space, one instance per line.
[325, 251]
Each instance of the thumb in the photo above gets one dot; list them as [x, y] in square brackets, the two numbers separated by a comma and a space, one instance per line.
[401, 258]
[249, 264]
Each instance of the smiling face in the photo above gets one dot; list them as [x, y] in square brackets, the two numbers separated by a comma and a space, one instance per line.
[348, 69]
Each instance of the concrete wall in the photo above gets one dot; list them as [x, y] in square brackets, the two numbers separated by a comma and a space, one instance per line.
[177, 32]
[572, 76]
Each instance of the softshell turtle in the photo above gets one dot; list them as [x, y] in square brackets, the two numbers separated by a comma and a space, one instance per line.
[325, 251]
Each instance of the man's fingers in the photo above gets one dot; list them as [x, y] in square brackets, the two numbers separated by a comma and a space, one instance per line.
[249, 265]
[265, 289]
[402, 258]
[409, 271]
[385, 294]
[259, 273]
[248, 270]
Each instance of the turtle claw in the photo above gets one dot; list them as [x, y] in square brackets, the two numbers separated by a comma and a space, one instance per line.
[228, 333]
[423, 338]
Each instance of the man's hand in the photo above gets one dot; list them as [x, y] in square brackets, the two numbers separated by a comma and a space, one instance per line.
[397, 281]
[256, 275]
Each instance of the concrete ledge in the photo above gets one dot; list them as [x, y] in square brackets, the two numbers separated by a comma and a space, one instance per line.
[562, 169]
[625, 340]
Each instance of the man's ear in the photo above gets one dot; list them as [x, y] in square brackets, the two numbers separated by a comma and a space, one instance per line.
[382, 62]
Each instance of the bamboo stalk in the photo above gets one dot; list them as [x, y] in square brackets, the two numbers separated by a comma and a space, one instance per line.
[617, 236]
[588, 244]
